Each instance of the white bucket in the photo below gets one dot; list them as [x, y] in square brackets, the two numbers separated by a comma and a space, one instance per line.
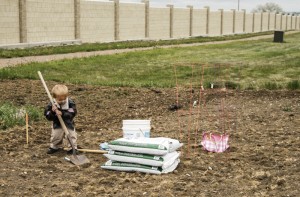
[136, 132]
[136, 129]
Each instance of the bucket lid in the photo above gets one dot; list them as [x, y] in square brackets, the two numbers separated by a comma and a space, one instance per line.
[136, 122]
[136, 128]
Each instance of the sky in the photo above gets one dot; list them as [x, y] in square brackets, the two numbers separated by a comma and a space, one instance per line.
[249, 5]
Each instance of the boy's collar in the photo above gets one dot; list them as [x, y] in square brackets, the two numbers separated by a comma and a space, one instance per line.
[65, 106]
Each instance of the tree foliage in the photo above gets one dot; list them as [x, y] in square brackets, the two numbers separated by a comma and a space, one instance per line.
[268, 7]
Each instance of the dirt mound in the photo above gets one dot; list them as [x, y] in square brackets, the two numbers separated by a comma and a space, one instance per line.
[263, 159]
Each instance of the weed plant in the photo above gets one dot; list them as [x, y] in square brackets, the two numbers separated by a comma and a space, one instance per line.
[11, 115]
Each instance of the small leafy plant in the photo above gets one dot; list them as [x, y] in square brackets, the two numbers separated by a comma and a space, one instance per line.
[11, 115]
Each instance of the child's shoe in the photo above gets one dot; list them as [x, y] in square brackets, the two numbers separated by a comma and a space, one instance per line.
[52, 150]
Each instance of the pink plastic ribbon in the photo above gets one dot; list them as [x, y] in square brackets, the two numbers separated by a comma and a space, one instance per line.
[214, 142]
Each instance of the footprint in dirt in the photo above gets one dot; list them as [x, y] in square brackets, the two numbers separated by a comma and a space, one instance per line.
[232, 149]
[49, 168]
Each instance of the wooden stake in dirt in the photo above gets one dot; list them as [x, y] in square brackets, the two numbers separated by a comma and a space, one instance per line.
[190, 114]
[177, 103]
[199, 113]
[26, 120]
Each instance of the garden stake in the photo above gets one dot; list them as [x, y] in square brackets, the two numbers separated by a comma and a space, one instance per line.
[190, 114]
[199, 113]
[26, 120]
[177, 103]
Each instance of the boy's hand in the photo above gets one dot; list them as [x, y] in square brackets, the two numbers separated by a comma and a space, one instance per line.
[54, 108]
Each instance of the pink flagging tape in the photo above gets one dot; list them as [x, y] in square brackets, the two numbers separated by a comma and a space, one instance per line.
[214, 142]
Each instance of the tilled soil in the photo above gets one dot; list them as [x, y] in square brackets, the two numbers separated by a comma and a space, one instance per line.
[263, 158]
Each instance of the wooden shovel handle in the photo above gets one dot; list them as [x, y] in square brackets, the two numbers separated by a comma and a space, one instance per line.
[91, 151]
[46, 88]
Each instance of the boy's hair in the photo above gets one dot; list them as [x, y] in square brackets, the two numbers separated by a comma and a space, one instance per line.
[58, 90]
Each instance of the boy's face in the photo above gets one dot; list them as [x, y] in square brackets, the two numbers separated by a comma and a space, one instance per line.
[61, 99]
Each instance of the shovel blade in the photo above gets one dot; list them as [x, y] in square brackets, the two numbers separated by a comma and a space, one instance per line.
[79, 159]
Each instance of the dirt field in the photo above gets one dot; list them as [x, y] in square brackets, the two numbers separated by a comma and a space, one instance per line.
[263, 159]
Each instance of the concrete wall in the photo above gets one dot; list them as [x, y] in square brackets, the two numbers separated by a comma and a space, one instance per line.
[289, 22]
[272, 21]
[293, 22]
[265, 21]
[199, 21]
[239, 21]
[214, 23]
[159, 23]
[249, 23]
[96, 21]
[297, 22]
[283, 27]
[9, 21]
[50, 20]
[257, 22]
[181, 22]
[132, 21]
[32, 21]
[278, 21]
[227, 22]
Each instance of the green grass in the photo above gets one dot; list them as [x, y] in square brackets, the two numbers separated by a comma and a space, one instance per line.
[11, 115]
[4, 53]
[287, 108]
[254, 65]
[272, 86]
[293, 85]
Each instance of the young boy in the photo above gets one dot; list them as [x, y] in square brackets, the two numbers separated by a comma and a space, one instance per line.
[66, 108]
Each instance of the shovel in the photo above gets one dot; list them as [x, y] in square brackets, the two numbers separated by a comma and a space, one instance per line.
[74, 158]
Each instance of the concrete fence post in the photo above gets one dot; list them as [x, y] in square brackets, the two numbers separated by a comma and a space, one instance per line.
[253, 21]
[117, 19]
[296, 26]
[295, 21]
[234, 16]
[269, 15]
[281, 21]
[261, 21]
[23, 21]
[191, 19]
[147, 7]
[244, 20]
[171, 19]
[291, 21]
[77, 19]
[207, 19]
[222, 19]
[286, 21]
[275, 21]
